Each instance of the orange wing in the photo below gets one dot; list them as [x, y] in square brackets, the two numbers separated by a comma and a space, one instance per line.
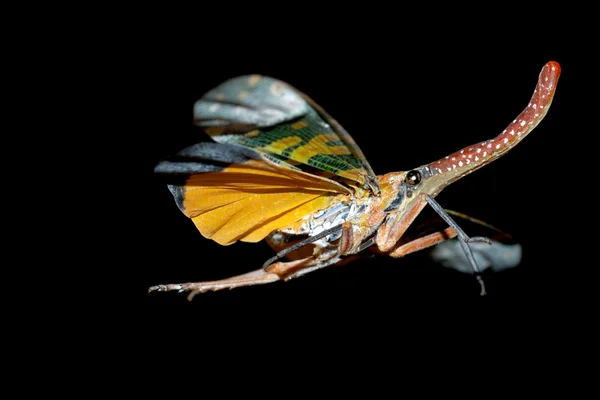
[246, 199]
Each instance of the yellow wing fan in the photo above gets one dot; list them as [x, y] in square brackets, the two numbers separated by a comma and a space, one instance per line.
[248, 201]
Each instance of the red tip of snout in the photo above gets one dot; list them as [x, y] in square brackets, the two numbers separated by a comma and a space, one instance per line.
[552, 69]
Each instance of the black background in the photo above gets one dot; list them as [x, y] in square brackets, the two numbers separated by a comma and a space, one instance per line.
[407, 99]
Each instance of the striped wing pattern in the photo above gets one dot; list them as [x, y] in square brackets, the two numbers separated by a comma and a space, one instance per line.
[271, 117]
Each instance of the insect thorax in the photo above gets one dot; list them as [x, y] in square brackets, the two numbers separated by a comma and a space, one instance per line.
[341, 210]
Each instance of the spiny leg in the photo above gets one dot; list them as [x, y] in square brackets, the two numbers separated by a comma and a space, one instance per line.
[270, 272]
[463, 239]
[275, 272]
[257, 277]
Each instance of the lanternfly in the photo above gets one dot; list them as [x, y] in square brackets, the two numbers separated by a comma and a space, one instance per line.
[280, 169]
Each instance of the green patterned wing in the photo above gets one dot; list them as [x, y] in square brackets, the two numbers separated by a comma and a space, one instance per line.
[284, 125]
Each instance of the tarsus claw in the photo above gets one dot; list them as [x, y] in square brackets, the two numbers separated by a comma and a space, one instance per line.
[166, 288]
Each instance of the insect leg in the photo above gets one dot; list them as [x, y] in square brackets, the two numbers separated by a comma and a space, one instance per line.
[270, 272]
[287, 270]
[462, 238]
[257, 277]
[275, 272]
[423, 242]
[293, 269]
[431, 240]
[296, 246]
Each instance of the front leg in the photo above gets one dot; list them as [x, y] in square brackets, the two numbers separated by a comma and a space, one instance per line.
[433, 239]
[393, 228]
[396, 225]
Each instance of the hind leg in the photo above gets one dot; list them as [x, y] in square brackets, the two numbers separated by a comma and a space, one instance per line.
[320, 256]
[275, 272]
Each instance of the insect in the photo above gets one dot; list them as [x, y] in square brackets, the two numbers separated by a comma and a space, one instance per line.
[280, 169]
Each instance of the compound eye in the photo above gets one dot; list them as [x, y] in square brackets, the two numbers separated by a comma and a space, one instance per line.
[413, 177]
